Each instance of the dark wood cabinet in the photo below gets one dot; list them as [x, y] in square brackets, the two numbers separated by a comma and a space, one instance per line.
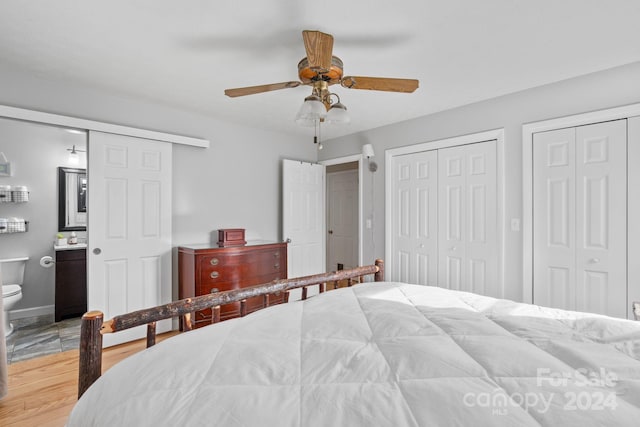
[71, 283]
[202, 270]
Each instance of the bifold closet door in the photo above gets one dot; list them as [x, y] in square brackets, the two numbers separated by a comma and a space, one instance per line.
[415, 213]
[467, 216]
[579, 218]
[444, 215]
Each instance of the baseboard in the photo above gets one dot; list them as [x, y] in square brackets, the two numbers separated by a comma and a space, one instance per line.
[31, 312]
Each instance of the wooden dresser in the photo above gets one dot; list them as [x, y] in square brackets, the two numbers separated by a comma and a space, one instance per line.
[203, 269]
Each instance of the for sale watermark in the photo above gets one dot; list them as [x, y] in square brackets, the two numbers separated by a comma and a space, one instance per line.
[580, 377]
[590, 391]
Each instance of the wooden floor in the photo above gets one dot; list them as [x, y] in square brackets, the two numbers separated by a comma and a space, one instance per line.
[42, 391]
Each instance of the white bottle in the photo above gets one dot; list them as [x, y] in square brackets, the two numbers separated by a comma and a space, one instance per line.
[73, 238]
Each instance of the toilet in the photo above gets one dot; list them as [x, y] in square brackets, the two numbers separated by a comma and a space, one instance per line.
[12, 280]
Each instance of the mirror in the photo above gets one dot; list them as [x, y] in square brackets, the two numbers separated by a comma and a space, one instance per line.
[72, 199]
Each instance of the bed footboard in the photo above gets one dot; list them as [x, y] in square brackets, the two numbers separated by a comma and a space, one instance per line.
[93, 325]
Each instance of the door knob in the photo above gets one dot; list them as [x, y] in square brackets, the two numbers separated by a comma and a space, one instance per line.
[594, 260]
[330, 231]
[453, 248]
[97, 251]
[288, 240]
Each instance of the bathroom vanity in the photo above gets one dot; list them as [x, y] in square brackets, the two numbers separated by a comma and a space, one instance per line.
[71, 281]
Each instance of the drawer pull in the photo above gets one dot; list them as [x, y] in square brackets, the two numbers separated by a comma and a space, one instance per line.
[214, 261]
[276, 254]
[214, 274]
[214, 290]
[276, 266]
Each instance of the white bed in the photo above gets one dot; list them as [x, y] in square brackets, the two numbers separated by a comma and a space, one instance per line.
[381, 354]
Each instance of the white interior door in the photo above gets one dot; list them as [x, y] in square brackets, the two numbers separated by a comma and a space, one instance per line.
[601, 221]
[580, 218]
[633, 211]
[452, 208]
[414, 255]
[303, 217]
[554, 218]
[129, 227]
[467, 214]
[342, 219]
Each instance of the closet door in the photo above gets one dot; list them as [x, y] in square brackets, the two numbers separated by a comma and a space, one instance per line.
[579, 218]
[467, 202]
[415, 213]
[554, 218]
[601, 231]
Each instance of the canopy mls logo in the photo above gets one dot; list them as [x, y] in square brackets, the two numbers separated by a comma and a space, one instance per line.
[500, 402]
[588, 392]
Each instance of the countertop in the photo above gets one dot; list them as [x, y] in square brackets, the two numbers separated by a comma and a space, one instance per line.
[69, 247]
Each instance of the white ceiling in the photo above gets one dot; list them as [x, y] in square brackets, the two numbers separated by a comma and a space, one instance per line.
[185, 53]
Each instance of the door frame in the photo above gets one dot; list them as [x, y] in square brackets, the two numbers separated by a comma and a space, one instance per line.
[473, 138]
[581, 119]
[348, 159]
[85, 124]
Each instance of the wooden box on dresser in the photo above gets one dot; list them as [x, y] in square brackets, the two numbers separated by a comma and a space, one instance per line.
[203, 269]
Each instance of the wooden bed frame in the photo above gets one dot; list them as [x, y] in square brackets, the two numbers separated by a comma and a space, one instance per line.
[93, 325]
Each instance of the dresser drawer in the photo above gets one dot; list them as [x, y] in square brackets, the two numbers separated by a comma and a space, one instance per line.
[235, 259]
[229, 311]
[224, 269]
[209, 286]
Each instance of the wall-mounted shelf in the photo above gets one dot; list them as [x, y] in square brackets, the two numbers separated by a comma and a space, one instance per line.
[21, 195]
[11, 227]
[13, 194]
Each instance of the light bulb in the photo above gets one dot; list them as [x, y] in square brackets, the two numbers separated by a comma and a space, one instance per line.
[74, 158]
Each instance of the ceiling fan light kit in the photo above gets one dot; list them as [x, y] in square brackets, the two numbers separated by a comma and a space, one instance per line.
[320, 69]
[312, 110]
[337, 114]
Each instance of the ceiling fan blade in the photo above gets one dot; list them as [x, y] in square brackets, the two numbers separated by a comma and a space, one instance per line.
[250, 90]
[319, 47]
[380, 83]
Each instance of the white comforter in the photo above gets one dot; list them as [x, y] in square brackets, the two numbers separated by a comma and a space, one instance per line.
[382, 354]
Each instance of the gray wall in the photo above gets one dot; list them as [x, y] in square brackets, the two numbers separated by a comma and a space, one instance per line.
[610, 88]
[234, 183]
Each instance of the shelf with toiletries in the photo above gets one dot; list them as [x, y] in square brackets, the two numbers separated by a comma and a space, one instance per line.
[13, 194]
[13, 225]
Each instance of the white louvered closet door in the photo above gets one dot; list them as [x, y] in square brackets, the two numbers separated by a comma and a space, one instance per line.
[579, 218]
[467, 203]
[415, 213]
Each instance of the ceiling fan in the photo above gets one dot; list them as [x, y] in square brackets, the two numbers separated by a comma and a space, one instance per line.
[320, 69]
